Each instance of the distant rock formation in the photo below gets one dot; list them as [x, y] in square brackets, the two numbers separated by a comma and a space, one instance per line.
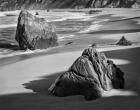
[111, 3]
[34, 33]
[45, 4]
[90, 75]
[124, 42]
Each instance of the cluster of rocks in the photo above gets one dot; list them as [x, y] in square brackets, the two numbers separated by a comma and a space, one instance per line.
[34, 32]
[90, 75]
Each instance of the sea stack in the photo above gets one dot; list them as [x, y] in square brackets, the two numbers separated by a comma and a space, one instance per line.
[90, 75]
[34, 33]
[123, 42]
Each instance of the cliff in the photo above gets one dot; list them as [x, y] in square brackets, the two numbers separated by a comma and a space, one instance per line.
[45, 4]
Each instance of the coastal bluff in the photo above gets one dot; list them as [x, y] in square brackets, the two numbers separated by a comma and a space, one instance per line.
[34, 33]
[90, 75]
[6, 5]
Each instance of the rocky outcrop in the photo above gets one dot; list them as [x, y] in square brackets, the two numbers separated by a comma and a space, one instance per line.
[90, 75]
[111, 3]
[46, 4]
[34, 33]
[124, 42]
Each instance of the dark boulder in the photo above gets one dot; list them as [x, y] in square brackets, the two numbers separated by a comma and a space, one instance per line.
[124, 42]
[34, 33]
[36, 13]
[90, 75]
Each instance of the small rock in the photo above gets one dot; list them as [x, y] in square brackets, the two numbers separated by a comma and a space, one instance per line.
[124, 42]
[90, 75]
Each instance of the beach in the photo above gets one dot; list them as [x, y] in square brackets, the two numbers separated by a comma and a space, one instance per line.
[26, 76]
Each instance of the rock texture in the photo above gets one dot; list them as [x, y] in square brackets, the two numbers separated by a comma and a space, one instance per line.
[124, 42]
[90, 75]
[111, 3]
[34, 33]
[45, 4]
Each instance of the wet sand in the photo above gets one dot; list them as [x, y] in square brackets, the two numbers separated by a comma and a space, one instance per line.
[30, 79]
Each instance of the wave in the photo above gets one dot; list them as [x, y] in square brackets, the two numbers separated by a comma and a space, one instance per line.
[65, 37]
[93, 27]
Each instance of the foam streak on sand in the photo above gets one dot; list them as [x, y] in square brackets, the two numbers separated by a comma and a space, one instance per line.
[7, 26]
[117, 92]
[93, 27]
[64, 37]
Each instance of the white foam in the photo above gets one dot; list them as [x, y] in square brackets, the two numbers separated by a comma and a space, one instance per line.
[121, 61]
[27, 52]
[7, 26]
[61, 16]
[119, 92]
[93, 27]
[63, 37]
[2, 14]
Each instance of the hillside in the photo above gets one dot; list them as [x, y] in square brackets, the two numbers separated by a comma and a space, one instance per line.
[44, 4]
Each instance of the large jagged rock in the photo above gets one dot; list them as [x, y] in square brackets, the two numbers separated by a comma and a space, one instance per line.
[124, 42]
[34, 33]
[90, 75]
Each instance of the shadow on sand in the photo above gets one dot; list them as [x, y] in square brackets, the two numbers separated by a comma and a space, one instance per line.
[41, 86]
[40, 99]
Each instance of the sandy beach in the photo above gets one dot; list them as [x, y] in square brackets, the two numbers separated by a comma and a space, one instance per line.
[30, 79]
[26, 77]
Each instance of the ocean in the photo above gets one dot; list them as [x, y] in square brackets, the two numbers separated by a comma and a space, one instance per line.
[80, 27]
[67, 24]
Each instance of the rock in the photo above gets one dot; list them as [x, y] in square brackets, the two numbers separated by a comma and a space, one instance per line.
[70, 42]
[90, 75]
[111, 3]
[94, 45]
[94, 11]
[124, 42]
[34, 33]
[36, 13]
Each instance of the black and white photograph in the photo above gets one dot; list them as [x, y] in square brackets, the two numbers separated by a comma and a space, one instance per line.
[69, 54]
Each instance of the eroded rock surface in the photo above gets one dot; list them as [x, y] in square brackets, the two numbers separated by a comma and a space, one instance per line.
[90, 75]
[34, 33]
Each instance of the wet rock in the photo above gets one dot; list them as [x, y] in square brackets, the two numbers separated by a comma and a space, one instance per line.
[90, 75]
[36, 13]
[69, 43]
[34, 33]
[94, 11]
[124, 42]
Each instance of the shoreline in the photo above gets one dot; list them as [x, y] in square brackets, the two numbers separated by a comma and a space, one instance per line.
[32, 54]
